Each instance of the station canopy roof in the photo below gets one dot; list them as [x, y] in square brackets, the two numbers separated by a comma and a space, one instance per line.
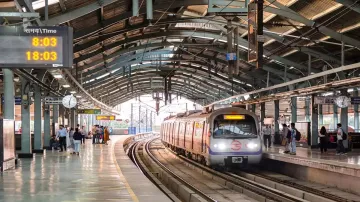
[118, 57]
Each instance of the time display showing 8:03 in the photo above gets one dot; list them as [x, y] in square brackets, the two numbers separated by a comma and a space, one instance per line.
[44, 49]
[36, 47]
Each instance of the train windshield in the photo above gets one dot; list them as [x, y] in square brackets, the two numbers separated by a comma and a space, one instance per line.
[234, 126]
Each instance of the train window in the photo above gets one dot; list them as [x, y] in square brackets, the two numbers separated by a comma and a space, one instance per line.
[199, 126]
[244, 128]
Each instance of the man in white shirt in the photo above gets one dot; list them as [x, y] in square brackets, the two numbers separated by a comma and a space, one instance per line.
[340, 146]
[267, 136]
[61, 135]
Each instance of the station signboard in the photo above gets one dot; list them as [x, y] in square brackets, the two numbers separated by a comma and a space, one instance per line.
[89, 111]
[324, 100]
[36, 47]
[355, 100]
[105, 118]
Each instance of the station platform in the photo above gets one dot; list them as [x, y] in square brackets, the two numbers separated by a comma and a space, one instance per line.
[310, 164]
[100, 173]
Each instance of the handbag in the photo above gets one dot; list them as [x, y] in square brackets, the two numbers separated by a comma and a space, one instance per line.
[283, 142]
[332, 139]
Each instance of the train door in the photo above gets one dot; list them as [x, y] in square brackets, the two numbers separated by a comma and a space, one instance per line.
[205, 137]
[198, 135]
[189, 135]
[182, 130]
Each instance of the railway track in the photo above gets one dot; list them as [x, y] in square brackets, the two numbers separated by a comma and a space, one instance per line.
[259, 191]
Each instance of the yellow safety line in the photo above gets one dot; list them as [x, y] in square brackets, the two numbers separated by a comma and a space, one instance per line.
[122, 177]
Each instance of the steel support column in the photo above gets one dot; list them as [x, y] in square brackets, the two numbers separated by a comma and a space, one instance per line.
[26, 146]
[356, 112]
[146, 120]
[47, 127]
[139, 119]
[72, 118]
[55, 119]
[335, 115]
[262, 113]
[293, 109]
[38, 136]
[307, 109]
[276, 115]
[344, 120]
[8, 109]
[321, 116]
[314, 123]
[253, 108]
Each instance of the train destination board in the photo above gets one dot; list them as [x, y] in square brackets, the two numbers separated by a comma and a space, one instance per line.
[89, 111]
[36, 47]
[105, 118]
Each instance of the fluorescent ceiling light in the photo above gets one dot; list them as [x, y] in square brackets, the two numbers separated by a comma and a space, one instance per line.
[41, 3]
[291, 67]
[66, 86]
[23, 9]
[78, 96]
[72, 92]
[58, 76]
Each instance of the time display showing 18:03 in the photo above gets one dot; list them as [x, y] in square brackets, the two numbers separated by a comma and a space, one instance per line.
[43, 49]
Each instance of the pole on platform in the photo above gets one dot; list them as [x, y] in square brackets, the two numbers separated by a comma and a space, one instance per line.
[307, 109]
[262, 113]
[46, 11]
[46, 127]
[135, 7]
[293, 109]
[9, 115]
[356, 112]
[55, 119]
[314, 123]
[321, 116]
[151, 120]
[26, 146]
[146, 120]
[38, 138]
[149, 9]
[276, 115]
[139, 118]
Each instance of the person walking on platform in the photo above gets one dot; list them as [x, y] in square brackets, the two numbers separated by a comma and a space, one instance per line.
[286, 138]
[267, 136]
[323, 140]
[70, 141]
[61, 135]
[293, 139]
[106, 135]
[340, 146]
[77, 141]
[83, 133]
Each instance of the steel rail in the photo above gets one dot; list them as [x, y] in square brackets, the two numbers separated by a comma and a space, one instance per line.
[255, 187]
[187, 184]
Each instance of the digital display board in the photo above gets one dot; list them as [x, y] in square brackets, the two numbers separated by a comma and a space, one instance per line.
[105, 118]
[89, 111]
[36, 47]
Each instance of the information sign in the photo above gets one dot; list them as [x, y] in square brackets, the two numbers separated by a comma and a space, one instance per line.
[230, 56]
[89, 111]
[355, 100]
[36, 47]
[16, 98]
[322, 100]
[105, 118]
[132, 130]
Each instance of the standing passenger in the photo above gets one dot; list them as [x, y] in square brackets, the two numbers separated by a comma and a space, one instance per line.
[70, 141]
[293, 139]
[323, 140]
[267, 136]
[106, 135]
[61, 135]
[286, 138]
[340, 147]
[77, 140]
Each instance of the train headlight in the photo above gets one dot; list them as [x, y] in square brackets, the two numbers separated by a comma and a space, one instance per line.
[252, 145]
[220, 146]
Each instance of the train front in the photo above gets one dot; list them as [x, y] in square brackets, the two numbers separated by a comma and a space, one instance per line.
[234, 140]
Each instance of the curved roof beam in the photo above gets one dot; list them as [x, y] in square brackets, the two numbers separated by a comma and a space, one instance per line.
[183, 71]
[191, 65]
[178, 76]
[145, 89]
[209, 34]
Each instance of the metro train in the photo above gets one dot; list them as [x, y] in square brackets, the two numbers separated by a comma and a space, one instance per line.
[224, 137]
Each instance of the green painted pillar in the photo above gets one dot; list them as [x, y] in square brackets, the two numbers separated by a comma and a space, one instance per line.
[72, 118]
[356, 112]
[276, 115]
[26, 147]
[47, 125]
[38, 137]
[314, 123]
[335, 115]
[55, 119]
[307, 109]
[9, 114]
[293, 109]
[262, 112]
[321, 116]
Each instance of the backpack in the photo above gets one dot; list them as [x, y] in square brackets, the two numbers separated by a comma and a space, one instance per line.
[344, 136]
[288, 136]
[298, 135]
